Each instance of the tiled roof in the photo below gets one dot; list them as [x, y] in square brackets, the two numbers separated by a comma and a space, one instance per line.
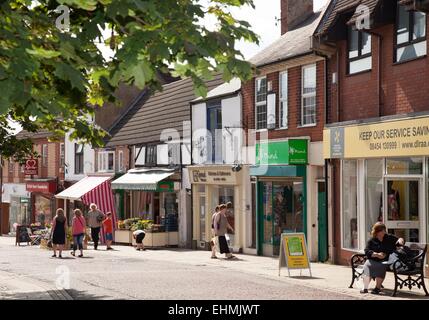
[163, 110]
[337, 7]
[293, 43]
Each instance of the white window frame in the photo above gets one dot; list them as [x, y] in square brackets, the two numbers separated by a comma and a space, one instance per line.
[260, 103]
[121, 161]
[284, 100]
[62, 154]
[45, 155]
[308, 95]
[103, 161]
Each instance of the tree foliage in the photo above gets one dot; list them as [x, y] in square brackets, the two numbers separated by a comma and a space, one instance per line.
[51, 78]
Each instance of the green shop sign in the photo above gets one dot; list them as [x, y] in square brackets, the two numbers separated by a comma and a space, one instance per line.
[290, 152]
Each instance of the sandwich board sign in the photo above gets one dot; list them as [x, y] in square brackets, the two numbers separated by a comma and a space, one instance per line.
[293, 252]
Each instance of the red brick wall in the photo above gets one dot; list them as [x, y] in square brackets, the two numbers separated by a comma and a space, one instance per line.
[404, 86]
[294, 120]
[126, 155]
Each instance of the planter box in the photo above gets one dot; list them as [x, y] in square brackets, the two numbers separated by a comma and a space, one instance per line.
[151, 240]
[123, 236]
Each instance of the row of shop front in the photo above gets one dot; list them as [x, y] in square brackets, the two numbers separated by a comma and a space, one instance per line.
[377, 171]
[271, 197]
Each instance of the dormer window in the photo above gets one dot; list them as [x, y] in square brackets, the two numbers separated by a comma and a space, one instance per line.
[359, 51]
[410, 34]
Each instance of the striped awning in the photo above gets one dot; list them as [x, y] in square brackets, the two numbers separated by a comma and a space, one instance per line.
[93, 189]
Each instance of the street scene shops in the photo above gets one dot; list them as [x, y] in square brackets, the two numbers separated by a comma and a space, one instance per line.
[380, 172]
[16, 206]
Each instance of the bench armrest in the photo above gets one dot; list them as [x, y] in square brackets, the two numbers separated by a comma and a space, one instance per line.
[358, 259]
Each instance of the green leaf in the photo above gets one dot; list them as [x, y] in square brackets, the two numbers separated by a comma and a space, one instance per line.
[42, 53]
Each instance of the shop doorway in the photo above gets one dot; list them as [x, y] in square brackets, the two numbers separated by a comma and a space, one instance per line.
[403, 206]
[322, 222]
[283, 212]
[202, 217]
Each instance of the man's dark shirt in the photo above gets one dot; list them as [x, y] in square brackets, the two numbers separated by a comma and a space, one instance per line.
[387, 246]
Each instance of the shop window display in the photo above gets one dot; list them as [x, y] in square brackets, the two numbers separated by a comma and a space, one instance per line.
[349, 204]
[374, 193]
[404, 166]
[43, 210]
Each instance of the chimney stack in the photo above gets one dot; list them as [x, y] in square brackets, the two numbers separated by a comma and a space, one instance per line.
[293, 12]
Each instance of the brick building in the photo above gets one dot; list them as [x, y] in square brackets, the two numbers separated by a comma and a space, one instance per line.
[377, 132]
[285, 103]
[29, 199]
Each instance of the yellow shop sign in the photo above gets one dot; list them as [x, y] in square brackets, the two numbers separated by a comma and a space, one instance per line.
[387, 139]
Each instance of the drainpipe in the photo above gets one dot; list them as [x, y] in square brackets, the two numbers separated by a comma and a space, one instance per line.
[379, 61]
[338, 86]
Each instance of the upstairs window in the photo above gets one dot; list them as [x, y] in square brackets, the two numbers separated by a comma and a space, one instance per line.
[283, 97]
[261, 103]
[45, 155]
[359, 51]
[62, 154]
[410, 34]
[106, 161]
[308, 103]
[151, 155]
[78, 158]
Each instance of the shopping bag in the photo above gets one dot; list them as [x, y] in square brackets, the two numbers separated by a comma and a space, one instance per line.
[215, 242]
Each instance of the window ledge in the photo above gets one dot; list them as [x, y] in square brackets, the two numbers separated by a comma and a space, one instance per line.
[261, 130]
[307, 126]
[280, 129]
[358, 73]
[409, 60]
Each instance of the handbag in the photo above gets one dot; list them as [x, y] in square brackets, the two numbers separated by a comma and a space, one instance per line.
[215, 243]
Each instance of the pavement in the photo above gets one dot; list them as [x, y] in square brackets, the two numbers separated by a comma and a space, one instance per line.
[29, 273]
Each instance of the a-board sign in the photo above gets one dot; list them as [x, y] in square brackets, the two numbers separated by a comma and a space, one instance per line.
[293, 252]
[22, 234]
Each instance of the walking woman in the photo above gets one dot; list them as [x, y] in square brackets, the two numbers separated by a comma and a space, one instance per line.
[78, 231]
[221, 227]
[378, 249]
[59, 231]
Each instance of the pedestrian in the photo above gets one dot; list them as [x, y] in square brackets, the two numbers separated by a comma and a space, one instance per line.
[78, 231]
[95, 220]
[221, 227]
[59, 231]
[213, 241]
[139, 235]
[108, 230]
[230, 217]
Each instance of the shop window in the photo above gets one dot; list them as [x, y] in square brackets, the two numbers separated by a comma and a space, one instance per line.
[62, 154]
[261, 103]
[106, 161]
[359, 51]
[308, 95]
[151, 155]
[283, 100]
[140, 156]
[374, 193]
[404, 166]
[45, 155]
[349, 205]
[78, 158]
[410, 34]
[171, 210]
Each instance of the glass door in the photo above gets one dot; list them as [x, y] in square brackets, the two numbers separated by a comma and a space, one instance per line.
[403, 207]
[202, 204]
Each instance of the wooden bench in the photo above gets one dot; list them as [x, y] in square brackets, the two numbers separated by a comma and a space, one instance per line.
[403, 278]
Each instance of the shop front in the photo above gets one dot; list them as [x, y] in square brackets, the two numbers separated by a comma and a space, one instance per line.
[16, 206]
[286, 181]
[221, 184]
[43, 200]
[154, 200]
[381, 173]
